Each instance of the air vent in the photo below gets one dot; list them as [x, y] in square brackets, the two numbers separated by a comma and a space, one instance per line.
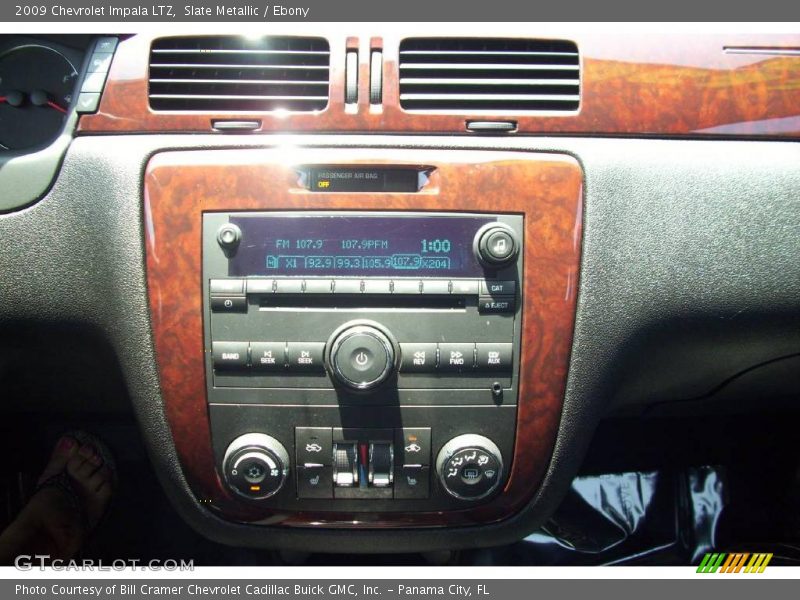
[498, 75]
[233, 73]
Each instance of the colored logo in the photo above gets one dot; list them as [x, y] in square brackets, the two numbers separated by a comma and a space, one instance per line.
[734, 563]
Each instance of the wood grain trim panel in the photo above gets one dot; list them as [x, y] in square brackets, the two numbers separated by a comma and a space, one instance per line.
[662, 85]
[545, 188]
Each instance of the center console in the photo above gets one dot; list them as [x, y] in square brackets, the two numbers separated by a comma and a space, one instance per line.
[401, 329]
[363, 338]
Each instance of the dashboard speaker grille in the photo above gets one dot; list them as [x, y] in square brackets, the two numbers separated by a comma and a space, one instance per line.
[236, 73]
[500, 75]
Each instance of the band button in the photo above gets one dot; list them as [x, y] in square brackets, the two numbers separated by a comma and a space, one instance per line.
[229, 355]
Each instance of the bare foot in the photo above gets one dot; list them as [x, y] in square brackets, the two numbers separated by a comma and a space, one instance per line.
[55, 521]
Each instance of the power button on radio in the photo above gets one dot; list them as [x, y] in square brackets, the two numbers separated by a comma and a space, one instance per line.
[362, 357]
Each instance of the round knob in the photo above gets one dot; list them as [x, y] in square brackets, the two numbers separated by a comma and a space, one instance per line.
[496, 245]
[470, 467]
[229, 236]
[361, 357]
[256, 466]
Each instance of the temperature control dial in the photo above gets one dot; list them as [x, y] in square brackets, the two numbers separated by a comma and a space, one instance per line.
[361, 356]
[256, 466]
[470, 467]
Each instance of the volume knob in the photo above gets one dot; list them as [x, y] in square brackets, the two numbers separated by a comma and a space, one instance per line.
[361, 357]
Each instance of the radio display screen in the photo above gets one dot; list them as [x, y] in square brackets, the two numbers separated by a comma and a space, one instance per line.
[357, 246]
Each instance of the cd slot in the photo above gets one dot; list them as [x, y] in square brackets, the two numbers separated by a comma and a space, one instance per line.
[361, 301]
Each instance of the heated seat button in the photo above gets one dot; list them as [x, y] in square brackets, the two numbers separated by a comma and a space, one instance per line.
[493, 357]
[418, 358]
[229, 355]
[305, 356]
[411, 482]
[456, 357]
[313, 445]
[268, 356]
[315, 481]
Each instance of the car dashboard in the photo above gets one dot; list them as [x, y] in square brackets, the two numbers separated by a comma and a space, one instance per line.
[362, 288]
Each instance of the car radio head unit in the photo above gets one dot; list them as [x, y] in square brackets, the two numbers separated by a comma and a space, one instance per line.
[362, 355]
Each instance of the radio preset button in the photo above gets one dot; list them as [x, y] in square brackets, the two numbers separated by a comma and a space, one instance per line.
[347, 286]
[226, 287]
[493, 356]
[229, 355]
[319, 286]
[498, 288]
[438, 287]
[260, 286]
[407, 286]
[377, 286]
[305, 356]
[228, 304]
[288, 286]
[418, 358]
[496, 304]
[268, 356]
[456, 357]
[465, 287]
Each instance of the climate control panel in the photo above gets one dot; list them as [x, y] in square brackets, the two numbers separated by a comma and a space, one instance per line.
[363, 464]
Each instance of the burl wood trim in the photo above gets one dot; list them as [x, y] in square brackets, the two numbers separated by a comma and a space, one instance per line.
[635, 84]
[545, 188]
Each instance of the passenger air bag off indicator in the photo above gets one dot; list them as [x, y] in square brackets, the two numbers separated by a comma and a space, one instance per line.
[363, 179]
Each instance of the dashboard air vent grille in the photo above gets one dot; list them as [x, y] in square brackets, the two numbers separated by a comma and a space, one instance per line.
[236, 73]
[469, 74]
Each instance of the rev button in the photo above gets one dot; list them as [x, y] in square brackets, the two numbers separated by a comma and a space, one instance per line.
[418, 358]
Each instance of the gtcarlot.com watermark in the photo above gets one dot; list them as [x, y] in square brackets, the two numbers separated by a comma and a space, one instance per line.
[29, 562]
